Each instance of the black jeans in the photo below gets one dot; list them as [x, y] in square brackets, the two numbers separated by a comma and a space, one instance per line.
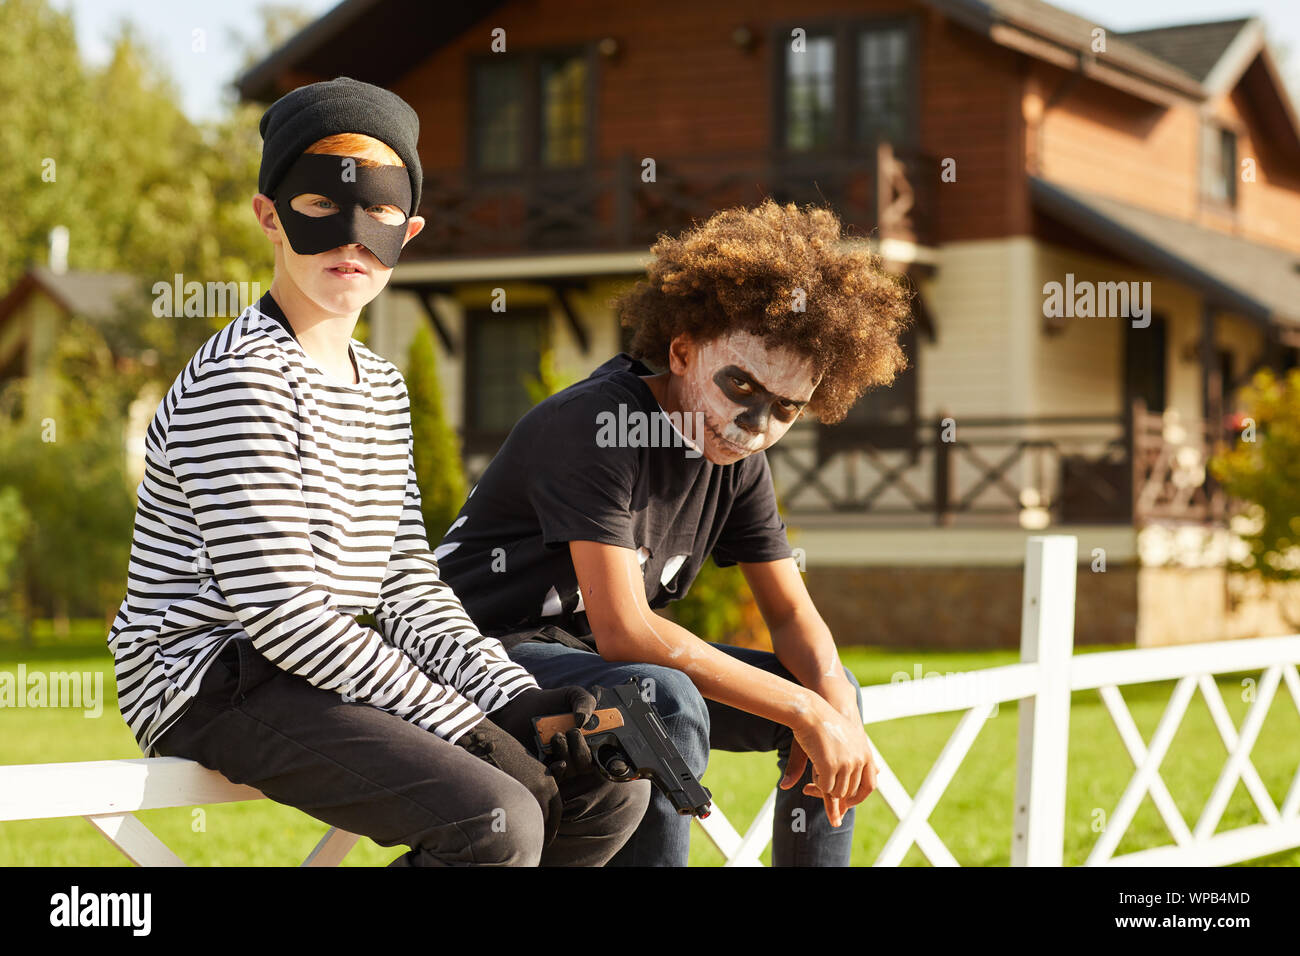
[359, 768]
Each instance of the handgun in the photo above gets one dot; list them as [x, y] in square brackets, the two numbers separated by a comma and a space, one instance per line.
[628, 741]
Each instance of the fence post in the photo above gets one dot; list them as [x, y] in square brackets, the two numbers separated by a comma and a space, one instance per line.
[1046, 638]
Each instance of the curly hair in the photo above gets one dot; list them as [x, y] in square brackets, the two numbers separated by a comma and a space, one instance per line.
[752, 269]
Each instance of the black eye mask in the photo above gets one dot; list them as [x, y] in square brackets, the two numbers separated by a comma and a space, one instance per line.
[324, 174]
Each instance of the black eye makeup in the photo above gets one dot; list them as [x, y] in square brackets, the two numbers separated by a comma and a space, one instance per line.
[740, 387]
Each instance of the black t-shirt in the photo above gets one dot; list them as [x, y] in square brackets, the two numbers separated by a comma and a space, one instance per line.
[559, 478]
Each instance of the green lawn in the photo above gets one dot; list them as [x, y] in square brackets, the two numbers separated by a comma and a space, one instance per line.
[973, 818]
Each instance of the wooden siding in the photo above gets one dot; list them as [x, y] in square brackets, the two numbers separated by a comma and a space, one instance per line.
[1097, 139]
[977, 299]
[1080, 371]
[679, 86]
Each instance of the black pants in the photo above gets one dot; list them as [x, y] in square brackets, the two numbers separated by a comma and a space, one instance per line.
[359, 768]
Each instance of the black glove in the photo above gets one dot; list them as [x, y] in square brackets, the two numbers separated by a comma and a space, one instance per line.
[491, 744]
[570, 756]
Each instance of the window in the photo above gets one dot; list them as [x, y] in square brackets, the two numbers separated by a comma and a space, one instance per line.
[810, 94]
[564, 111]
[1219, 164]
[503, 351]
[882, 85]
[850, 86]
[499, 119]
[530, 110]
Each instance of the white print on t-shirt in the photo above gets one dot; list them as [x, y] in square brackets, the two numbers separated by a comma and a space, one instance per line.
[671, 568]
[443, 550]
[552, 606]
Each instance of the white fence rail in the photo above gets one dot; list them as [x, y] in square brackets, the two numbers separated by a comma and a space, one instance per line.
[1042, 684]
[108, 792]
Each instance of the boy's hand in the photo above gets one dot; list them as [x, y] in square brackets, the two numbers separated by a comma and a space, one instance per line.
[571, 755]
[491, 744]
[844, 770]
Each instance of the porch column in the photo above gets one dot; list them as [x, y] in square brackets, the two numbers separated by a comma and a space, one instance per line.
[1211, 375]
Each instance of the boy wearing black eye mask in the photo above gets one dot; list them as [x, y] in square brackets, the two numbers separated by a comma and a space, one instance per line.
[280, 501]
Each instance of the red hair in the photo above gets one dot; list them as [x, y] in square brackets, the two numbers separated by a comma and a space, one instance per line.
[367, 150]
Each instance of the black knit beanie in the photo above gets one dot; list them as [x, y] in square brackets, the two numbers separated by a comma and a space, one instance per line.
[341, 105]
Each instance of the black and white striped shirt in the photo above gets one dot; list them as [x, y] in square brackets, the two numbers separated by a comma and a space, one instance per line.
[276, 505]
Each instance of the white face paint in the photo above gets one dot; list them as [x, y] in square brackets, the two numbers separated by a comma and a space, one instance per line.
[749, 394]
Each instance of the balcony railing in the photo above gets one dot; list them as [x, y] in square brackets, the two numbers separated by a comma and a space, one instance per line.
[887, 193]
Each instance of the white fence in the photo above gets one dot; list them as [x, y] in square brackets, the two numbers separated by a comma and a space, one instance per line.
[107, 792]
[1042, 684]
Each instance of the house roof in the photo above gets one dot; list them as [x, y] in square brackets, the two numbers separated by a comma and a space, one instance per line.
[1050, 33]
[1259, 281]
[1160, 65]
[343, 43]
[90, 295]
[1195, 48]
[336, 43]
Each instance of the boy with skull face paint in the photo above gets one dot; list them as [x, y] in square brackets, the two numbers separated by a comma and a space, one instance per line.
[289, 481]
[569, 540]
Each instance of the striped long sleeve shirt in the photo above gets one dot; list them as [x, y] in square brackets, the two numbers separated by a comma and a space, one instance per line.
[277, 504]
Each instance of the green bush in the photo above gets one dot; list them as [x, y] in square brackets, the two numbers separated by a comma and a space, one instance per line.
[73, 553]
[718, 606]
[548, 379]
[438, 468]
[14, 521]
[1263, 471]
[64, 455]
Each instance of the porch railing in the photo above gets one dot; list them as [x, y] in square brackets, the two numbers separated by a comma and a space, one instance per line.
[1170, 469]
[1033, 471]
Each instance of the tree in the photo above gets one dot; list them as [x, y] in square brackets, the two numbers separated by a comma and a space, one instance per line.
[109, 153]
[65, 464]
[14, 522]
[438, 468]
[1263, 471]
[71, 484]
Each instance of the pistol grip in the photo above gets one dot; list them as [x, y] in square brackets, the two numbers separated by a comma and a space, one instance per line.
[608, 718]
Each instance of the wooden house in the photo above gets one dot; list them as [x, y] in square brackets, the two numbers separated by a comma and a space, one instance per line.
[1100, 227]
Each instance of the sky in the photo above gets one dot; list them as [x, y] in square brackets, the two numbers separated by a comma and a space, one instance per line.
[169, 26]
